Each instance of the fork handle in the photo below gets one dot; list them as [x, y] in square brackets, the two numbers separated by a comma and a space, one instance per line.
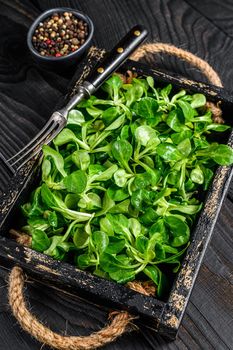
[108, 65]
[117, 56]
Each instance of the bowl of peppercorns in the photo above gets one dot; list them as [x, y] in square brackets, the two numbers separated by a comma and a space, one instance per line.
[60, 35]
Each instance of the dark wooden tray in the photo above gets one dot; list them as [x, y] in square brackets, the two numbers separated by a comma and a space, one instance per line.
[163, 317]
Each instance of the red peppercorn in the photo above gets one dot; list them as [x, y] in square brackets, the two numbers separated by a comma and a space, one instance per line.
[48, 42]
[58, 54]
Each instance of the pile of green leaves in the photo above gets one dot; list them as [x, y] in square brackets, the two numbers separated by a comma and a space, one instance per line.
[120, 186]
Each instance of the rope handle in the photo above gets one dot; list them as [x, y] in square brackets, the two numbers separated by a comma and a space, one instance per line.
[121, 321]
[149, 49]
[152, 48]
[119, 324]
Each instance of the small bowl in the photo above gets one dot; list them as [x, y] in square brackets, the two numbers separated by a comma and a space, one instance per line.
[70, 59]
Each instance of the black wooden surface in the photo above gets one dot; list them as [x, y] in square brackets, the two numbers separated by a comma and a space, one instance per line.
[27, 96]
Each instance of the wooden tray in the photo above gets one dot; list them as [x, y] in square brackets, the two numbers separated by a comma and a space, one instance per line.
[163, 317]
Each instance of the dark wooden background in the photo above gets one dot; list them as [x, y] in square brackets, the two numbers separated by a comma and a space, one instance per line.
[28, 94]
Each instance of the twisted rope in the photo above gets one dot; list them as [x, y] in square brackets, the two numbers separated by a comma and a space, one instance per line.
[149, 49]
[119, 324]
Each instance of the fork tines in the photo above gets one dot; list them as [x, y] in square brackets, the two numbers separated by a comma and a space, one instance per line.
[49, 131]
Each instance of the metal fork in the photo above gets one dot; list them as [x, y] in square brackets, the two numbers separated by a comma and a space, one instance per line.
[53, 126]
[59, 118]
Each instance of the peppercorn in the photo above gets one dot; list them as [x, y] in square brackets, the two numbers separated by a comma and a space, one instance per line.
[75, 41]
[81, 35]
[60, 34]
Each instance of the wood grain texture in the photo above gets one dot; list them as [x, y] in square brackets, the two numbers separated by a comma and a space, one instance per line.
[28, 94]
[217, 12]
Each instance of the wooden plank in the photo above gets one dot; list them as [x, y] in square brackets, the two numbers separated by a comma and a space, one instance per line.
[217, 12]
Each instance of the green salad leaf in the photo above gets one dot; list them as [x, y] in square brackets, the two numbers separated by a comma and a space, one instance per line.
[119, 189]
